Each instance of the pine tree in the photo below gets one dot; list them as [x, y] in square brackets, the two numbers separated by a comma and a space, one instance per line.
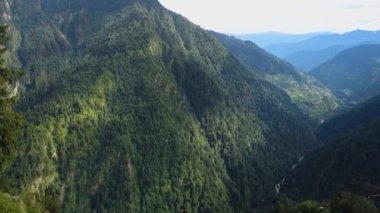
[10, 121]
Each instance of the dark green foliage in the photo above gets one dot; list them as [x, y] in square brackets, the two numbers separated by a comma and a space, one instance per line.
[344, 202]
[352, 75]
[309, 207]
[10, 121]
[256, 59]
[366, 112]
[348, 162]
[11, 124]
[309, 95]
[141, 111]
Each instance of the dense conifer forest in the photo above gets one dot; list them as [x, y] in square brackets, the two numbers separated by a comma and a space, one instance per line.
[129, 107]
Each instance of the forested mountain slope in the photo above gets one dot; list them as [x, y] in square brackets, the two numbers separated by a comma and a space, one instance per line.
[353, 75]
[349, 161]
[311, 96]
[130, 107]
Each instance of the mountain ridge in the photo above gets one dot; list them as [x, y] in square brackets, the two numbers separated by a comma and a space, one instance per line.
[306, 92]
[353, 74]
[310, 53]
[349, 160]
[140, 110]
[271, 38]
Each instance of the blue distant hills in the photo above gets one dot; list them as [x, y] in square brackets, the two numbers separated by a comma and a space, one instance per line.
[271, 38]
[307, 51]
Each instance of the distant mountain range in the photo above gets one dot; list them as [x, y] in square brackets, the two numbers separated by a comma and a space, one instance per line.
[349, 161]
[271, 38]
[354, 74]
[307, 60]
[309, 52]
[310, 95]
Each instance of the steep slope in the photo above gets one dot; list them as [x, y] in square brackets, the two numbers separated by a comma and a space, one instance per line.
[132, 108]
[353, 75]
[313, 49]
[348, 163]
[311, 96]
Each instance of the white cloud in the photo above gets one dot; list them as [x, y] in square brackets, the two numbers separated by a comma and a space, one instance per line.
[294, 16]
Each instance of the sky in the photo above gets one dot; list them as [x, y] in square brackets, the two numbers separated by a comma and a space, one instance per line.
[288, 16]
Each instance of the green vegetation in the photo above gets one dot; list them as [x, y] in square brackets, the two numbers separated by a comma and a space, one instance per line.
[10, 121]
[28, 203]
[354, 74]
[309, 95]
[344, 202]
[359, 115]
[130, 107]
[11, 127]
[349, 162]
[11, 205]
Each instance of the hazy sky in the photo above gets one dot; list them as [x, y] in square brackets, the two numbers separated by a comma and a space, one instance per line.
[292, 16]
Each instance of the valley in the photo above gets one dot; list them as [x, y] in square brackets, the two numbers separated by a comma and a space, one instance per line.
[130, 107]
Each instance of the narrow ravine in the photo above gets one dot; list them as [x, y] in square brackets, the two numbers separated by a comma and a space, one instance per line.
[278, 185]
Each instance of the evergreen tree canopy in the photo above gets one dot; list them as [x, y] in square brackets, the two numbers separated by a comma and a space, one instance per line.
[10, 121]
